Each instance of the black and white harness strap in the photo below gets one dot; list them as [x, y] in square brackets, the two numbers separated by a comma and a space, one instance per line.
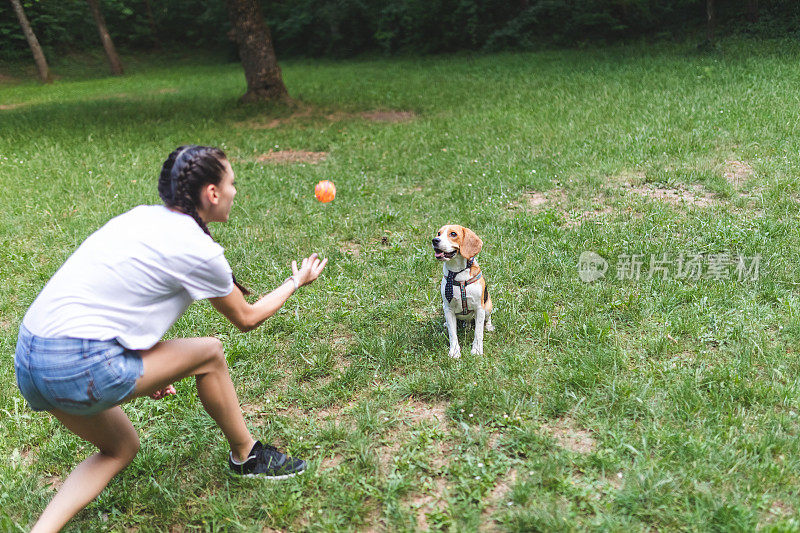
[450, 281]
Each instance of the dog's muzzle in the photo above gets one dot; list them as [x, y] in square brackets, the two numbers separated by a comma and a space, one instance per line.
[442, 255]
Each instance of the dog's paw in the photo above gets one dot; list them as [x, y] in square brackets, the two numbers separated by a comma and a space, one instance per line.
[489, 327]
[455, 352]
[477, 350]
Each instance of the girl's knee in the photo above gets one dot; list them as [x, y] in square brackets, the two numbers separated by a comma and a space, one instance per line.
[211, 356]
[132, 448]
[216, 351]
[124, 450]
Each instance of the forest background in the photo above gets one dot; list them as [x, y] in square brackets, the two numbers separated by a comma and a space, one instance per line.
[347, 28]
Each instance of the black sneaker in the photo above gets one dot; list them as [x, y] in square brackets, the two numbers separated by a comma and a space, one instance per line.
[267, 462]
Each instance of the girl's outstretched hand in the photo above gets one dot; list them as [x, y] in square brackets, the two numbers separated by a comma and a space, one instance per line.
[309, 269]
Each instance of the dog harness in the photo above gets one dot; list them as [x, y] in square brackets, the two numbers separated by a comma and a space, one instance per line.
[448, 286]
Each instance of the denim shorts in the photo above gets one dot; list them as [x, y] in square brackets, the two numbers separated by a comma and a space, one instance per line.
[77, 376]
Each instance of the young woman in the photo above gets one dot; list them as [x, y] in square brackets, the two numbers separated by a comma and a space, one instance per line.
[92, 338]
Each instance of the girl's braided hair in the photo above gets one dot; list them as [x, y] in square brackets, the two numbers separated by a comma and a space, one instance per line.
[184, 174]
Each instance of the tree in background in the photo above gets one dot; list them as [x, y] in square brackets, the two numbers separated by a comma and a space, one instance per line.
[346, 28]
[105, 37]
[252, 36]
[33, 42]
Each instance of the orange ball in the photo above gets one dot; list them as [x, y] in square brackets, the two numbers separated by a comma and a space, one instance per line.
[325, 191]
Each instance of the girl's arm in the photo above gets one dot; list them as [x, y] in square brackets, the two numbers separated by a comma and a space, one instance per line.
[247, 316]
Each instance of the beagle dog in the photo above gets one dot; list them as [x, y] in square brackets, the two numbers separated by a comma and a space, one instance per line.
[463, 287]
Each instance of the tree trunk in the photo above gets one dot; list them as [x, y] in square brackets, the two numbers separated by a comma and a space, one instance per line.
[33, 42]
[711, 21]
[261, 70]
[108, 44]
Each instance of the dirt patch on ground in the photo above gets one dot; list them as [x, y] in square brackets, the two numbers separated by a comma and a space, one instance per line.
[779, 509]
[341, 339]
[253, 412]
[383, 240]
[331, 462]
[387, 451]
[25, 456]
[416, 411]
[8, 107]
[409, 413]
[740, 175]
[304, 112]
[627, 178]
[391, 116]
[432, 497]
[495, 498]
[577, 218]
[633, 183]
[681, 195]
[388, 116]
[737, 172]
[570, 436]
[587, 216]
[52, 482]
[536, 200]
[426, 504]
[615, 481]
[292, 156]
[329, 413]
[350, 248]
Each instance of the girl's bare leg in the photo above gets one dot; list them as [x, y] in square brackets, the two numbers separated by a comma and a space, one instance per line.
[172, 360]
[117, 442]
[116, 439]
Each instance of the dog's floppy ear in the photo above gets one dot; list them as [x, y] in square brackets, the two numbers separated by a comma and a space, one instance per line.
[471, 244]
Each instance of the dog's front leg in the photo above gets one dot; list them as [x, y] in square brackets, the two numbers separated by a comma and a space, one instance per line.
[450, 322]
[477, 343]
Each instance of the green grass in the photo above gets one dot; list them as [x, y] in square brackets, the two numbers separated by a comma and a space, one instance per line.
[621, 405]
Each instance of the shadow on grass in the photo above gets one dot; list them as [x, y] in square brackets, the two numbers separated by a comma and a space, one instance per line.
[126, 109]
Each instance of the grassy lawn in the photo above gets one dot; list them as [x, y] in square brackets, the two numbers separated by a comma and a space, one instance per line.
[660, 403]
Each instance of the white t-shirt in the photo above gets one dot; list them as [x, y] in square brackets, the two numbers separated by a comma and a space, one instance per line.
[131, 280]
